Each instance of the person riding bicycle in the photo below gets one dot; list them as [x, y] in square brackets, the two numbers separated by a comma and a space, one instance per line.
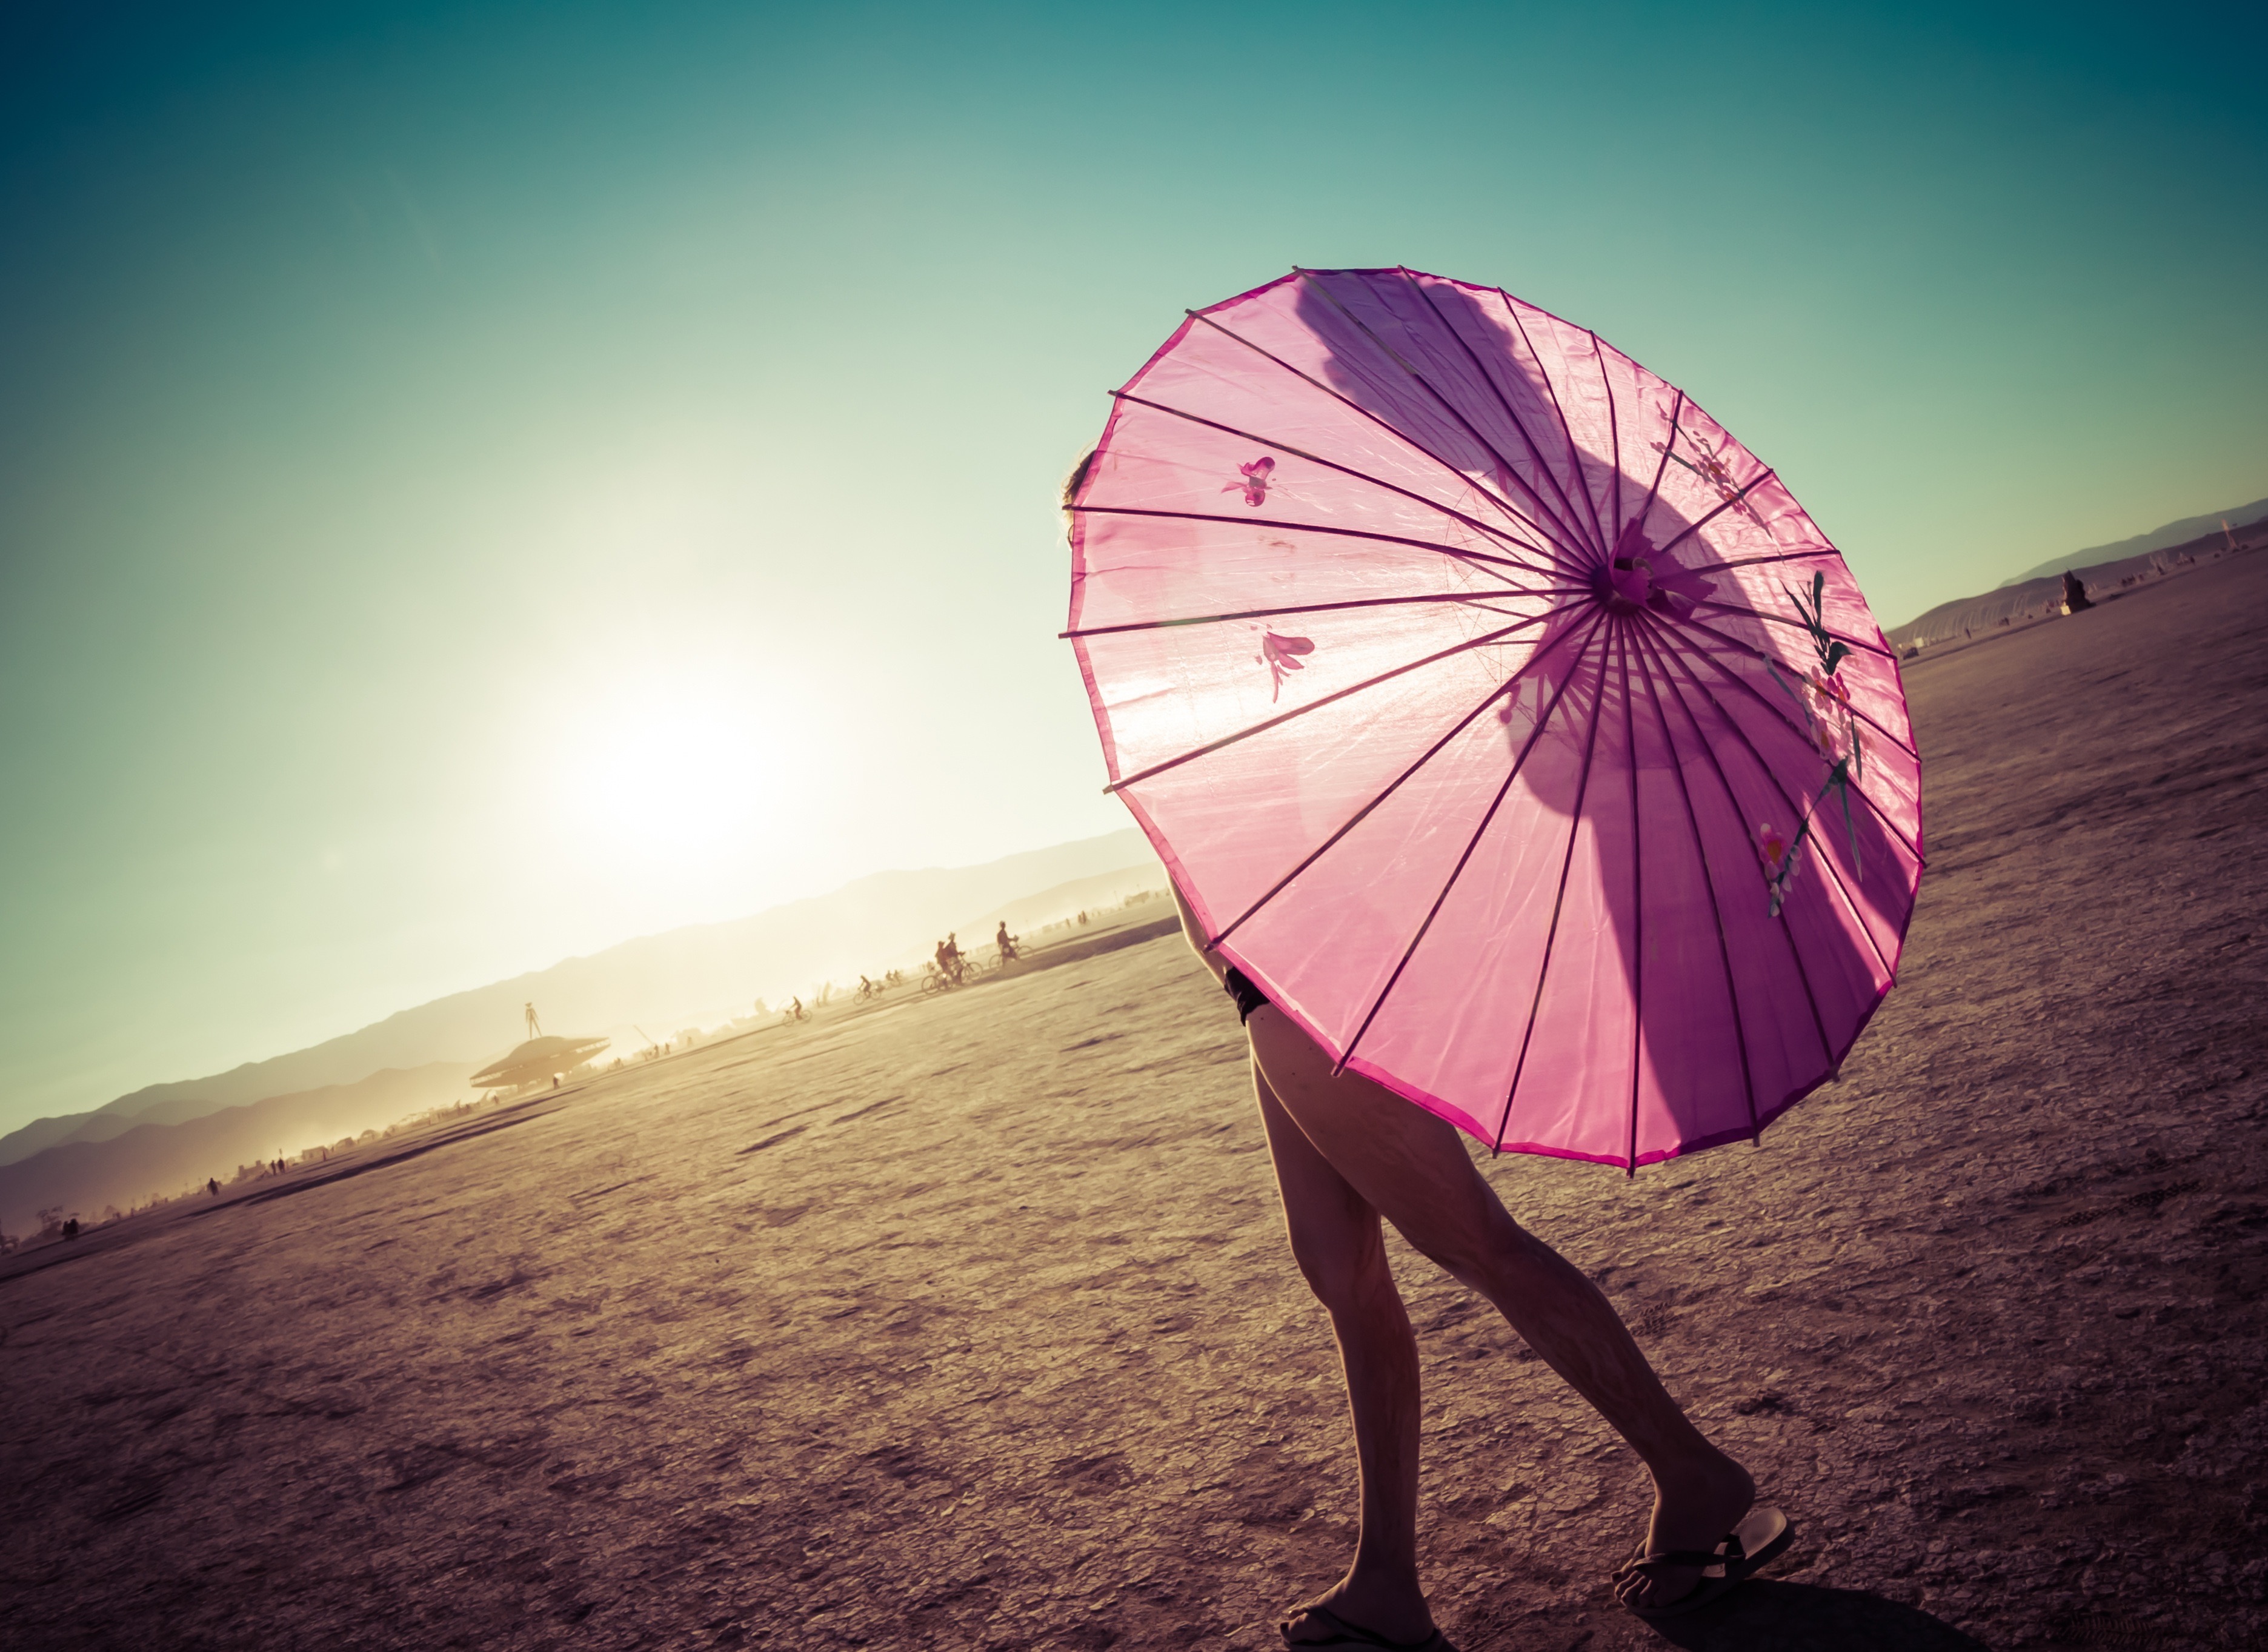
[1006, 942]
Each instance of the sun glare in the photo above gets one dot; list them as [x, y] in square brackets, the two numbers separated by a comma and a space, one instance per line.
[674, 774]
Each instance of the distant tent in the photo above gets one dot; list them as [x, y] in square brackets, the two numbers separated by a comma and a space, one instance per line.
[537, 1061]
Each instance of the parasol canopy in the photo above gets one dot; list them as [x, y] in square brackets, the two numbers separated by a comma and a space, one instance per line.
[1508, 722]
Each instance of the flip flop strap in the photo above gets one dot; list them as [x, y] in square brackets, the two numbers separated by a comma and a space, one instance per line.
[1346, 1633]
[1731, 1553]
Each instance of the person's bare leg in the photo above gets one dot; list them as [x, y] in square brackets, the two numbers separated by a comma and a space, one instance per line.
[1336, 1241]
[1409, 1167]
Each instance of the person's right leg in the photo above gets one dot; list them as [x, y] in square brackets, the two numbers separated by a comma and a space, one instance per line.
[1412, 1168]
[1342, 1254]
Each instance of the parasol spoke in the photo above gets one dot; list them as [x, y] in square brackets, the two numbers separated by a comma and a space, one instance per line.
[1797, 810]
[1694, 527]
[1661, 464]
[1780, 711]
[1638, 897]
[1793, 625]
[1574, 449]
[1482, 559]
[1677, 645]
[1708, 882]
[1503, 401]
[1472, 843]
[1733, 802]
[1466, 647]
[1490, 494]
[1615, 430]
[1549, 549]
[1777, 556]
[1559, 905]
[1568, 525]
[1430, 752]
[1468, 599]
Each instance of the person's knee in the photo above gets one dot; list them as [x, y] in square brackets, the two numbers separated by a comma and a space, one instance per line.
[1345, 1266]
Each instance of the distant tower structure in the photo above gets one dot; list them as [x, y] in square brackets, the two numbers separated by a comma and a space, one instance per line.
[534, 1026]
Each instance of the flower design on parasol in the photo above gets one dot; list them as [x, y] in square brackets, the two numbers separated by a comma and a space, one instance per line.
[1551, 644]
[1281, 654]
[1255, 485]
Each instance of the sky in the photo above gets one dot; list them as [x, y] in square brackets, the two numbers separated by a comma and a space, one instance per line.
[478, 483]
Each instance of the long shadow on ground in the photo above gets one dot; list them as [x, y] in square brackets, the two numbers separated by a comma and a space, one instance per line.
[1765, 1615]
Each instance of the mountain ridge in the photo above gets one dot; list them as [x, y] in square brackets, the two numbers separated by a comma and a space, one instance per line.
[707, 972]
[2158, 539]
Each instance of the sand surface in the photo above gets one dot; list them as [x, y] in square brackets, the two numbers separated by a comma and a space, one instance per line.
[968, 1324]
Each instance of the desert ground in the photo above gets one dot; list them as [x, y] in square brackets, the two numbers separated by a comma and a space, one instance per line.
[969, 1323]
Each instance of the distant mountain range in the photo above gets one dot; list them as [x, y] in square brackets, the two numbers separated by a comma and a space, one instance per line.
[150, 1157]
[2173, 533]
[656, 985]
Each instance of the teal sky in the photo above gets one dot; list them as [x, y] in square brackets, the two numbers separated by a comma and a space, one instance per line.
[480, 483]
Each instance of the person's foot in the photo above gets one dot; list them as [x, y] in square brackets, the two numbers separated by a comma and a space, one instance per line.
[1692, 1511]
[1386, 1618]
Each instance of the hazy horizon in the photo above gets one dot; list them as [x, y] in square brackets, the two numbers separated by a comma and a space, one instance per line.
[480, 483]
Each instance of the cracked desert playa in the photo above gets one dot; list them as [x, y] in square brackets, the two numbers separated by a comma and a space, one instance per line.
[967, 1323]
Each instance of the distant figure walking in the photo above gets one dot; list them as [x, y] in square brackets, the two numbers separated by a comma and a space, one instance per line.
[212, 1185]
[2074, 593]
[1006, 942]
[70, 1228]
[534, 1026]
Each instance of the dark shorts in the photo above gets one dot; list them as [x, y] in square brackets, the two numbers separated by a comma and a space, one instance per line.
[1249, 998]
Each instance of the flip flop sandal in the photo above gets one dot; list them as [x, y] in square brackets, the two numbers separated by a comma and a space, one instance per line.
[1345, 1634]
[1761, 1536]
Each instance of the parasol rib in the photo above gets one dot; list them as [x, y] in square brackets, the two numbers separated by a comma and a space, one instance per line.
[1793, 625]
[1489, 494]
[1570, 526]
[1574, 448]
[1453, 552]
[1732, 801]
[1661, 466]
[1559, 905]
[1457, 871]
[1782, 556]
[1548, 549]
[1518, 423]
[1469, 599]
[1694, 527]
[1465, 647]
[1834, 872]
[1637, 898]
[1754, 652]
[1780, 712]
[1430, 752]
[1708, 883]
[1614, 430]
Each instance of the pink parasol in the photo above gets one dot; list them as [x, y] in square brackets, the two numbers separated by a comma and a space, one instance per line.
[1502, 717]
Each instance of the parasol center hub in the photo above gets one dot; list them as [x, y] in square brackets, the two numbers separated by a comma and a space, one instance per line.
[1626, 583]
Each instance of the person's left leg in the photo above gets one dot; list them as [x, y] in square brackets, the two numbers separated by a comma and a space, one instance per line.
[1412, 1169]
[1341, 1250]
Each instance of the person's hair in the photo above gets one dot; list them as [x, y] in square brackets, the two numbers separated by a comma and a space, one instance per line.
[1073, 482]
